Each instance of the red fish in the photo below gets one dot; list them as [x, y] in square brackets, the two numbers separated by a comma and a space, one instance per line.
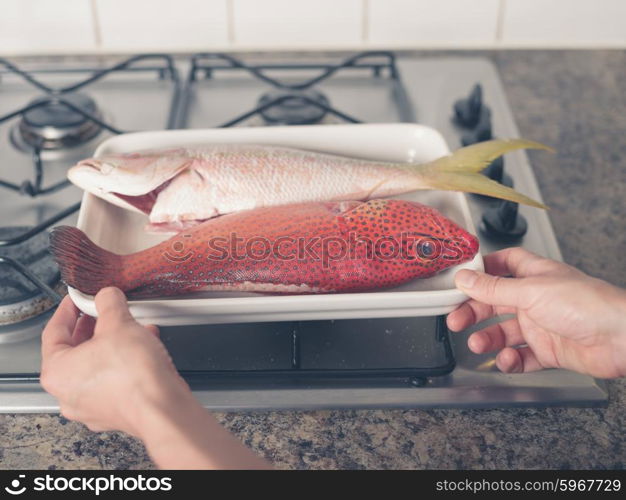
[320, 247]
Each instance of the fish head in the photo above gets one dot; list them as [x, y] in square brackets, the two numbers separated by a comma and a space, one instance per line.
[441, 237]
[424, 234]
[117, 177]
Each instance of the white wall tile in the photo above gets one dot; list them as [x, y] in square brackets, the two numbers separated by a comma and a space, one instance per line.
[68, 26]
[153, 25]
[432, 22]
[45, 26]
[564, 22]
[298, 23]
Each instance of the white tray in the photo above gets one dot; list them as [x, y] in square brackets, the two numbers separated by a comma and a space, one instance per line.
[122, 231]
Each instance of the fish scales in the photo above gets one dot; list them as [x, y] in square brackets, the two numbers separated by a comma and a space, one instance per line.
[180, 187]
[234, 178]
[324, 247]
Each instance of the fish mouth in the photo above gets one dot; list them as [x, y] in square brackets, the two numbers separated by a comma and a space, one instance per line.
[468, 244]
[90, 163]
[473, 244]
[101, 166]
[143, 202]
[449, 251]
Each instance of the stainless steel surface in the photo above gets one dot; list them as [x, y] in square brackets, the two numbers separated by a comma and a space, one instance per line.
[135, 102]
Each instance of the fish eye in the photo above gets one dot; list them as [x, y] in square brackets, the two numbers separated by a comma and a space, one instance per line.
[426, 249]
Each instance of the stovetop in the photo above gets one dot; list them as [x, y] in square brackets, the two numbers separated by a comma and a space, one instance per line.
[410, 362]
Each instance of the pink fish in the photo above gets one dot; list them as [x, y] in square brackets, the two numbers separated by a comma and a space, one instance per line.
[178, 188]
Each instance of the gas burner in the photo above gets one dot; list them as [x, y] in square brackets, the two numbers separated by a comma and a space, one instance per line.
[20, 299]
[54, 125]
[295, 107]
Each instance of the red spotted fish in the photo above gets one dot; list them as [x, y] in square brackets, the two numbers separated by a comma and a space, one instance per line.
[316, 247]
[180, 187]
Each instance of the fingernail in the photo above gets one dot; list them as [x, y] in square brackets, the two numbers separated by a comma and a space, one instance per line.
[474, 344]
[466, 278]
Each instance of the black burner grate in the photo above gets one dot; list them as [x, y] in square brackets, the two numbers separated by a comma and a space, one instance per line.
[205, 65]
[360, 353]
[32, 254]
[65, 98]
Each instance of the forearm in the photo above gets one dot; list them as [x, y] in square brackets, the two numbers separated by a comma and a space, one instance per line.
[179, 434]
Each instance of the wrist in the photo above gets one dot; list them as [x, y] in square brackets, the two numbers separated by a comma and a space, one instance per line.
[157, 401]
[621, 331]
[173, 425]
[617, 327]
[179, 433]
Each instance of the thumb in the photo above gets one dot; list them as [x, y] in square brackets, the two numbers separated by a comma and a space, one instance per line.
[492, 290]
[112, 307]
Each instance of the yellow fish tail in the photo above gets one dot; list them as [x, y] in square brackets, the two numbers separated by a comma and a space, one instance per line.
[460, 171]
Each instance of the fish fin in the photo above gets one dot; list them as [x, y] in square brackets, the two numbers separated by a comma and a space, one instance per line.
[480, 184]
[460, 171]
[476, 157]
[83, 264]
[368, 196]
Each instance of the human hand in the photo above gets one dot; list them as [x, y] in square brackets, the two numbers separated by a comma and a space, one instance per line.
[115, 374]
[564, 318]
[106, 372]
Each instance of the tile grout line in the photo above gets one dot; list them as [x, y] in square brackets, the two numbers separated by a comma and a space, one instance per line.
[95, 19]
[500, 21]
[230, 22]
[365, 21]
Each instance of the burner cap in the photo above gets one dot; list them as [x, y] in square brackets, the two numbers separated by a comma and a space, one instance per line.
[19, 298]
[54, 125]
[295, 109]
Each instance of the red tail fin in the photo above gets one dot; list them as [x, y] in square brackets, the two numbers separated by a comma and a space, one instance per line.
[83, 264]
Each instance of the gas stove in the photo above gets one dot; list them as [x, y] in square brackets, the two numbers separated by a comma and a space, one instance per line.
[53, 113]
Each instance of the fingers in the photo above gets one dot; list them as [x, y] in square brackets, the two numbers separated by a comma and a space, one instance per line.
[468, 314]
[493, 293]
[112, 307]
[494, 290]
[83, 330]
[57, 334]
[520, 360]
[496, 337]
[472, 312]
[511, 262]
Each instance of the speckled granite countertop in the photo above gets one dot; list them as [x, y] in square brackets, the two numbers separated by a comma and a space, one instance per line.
[574, 101]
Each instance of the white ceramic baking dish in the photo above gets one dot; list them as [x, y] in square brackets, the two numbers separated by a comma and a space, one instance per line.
[122, 231]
